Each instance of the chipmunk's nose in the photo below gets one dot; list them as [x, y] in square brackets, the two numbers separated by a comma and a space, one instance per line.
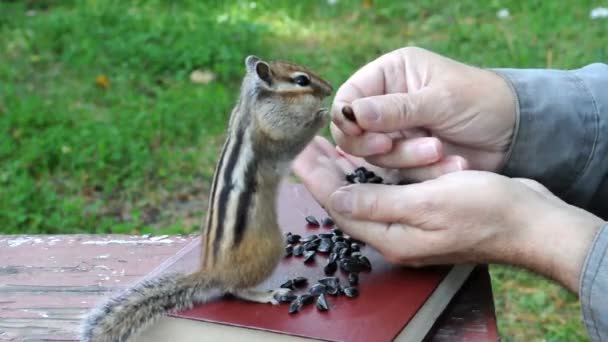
[324, 89]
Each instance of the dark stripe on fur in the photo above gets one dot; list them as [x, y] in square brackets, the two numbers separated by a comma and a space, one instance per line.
[207, 228]
[243, 208]
[225, 192]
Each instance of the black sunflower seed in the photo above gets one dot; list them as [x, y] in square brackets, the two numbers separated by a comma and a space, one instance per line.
[334, 291]
[324, 246]
[344, 252]
[294, 238]
[332, 257]
[298, 250]
[348, 113]
[287, 298]
[322, 303]
[309, 238]
[338, 238]
[317, 289]
[330, 268]
[330, 281]
[353, 279]
[312, 221]
[337, 231]
[287, 285]
[327, 222]
[309, 256]
[365, 261]
[375, 180]
[295, 306]
[351, 265]
[360, 169]
[355, 247]
[288, 250]
[306, 299]
[299, 281]
[350, 292]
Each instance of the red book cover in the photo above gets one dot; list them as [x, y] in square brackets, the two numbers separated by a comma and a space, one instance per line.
[389, 295]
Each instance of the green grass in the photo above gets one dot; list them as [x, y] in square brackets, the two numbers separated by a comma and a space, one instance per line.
[136, 155]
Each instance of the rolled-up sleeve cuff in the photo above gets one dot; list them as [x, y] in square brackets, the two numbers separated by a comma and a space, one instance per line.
[556, 127]
[594, 288]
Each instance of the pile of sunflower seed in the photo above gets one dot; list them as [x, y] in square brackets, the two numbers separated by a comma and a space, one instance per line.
[342, 252]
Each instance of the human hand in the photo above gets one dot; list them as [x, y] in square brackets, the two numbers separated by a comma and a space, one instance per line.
[462, 217]
[414, 107]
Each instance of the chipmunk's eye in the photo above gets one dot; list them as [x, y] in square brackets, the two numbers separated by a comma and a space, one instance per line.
[301, 80]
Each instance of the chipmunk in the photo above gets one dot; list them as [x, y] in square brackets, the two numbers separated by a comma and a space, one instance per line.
[277, 114]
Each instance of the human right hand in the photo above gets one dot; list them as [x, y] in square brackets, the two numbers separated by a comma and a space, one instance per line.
[461, 217]
[425, 115]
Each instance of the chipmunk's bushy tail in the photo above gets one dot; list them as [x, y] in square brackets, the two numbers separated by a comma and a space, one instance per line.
[123, 316]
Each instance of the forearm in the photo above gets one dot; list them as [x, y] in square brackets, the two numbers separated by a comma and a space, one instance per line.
[560, 135]
[594, 287]
[557, 243]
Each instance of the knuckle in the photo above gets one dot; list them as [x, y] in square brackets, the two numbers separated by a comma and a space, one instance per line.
[426, 206]
[369, 204]
[409, 50]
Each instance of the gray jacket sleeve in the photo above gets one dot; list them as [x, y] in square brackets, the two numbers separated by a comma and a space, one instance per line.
[561, 140]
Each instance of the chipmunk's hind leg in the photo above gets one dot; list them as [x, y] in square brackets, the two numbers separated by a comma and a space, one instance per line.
[272, 296]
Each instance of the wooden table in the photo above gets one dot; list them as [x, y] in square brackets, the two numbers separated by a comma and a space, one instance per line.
[48, 282]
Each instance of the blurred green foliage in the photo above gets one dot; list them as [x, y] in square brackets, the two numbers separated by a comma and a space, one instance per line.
[103, 131]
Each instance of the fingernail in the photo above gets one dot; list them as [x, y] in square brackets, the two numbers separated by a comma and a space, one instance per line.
[342, 202]
[427, 151]
[455, 166]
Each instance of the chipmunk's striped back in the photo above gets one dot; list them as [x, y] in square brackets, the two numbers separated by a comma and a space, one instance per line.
[235, 181]
[278, 113]
[234, 184]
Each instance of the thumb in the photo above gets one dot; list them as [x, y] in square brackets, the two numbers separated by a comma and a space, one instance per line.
[383, 203]
[398, 111]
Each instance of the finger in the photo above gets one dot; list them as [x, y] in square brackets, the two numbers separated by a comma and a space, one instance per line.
[318, 170]
[410, 153]
[363, 145]
[347, 126]
[444, 166]
[369, 80]
[398, 243]
[384, 203]
[536, 186]
[387, 113]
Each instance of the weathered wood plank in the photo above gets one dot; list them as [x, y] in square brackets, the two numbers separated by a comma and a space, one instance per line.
[47, 283]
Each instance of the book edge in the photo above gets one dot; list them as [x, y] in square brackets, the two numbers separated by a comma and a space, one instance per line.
[173, 259]
[426, 317]
[170, 328]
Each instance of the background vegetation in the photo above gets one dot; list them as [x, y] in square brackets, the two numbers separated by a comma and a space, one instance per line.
[104, 130]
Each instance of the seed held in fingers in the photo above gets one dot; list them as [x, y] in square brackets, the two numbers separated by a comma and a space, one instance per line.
[348, 113]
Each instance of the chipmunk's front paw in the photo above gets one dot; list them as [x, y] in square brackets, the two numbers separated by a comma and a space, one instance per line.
[274, 297]
[282, 296]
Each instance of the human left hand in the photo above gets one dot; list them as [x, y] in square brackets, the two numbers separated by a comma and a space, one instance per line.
[461, 217]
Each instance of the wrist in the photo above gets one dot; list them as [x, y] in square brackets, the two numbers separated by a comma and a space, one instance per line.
[508, 104]
[556, 243]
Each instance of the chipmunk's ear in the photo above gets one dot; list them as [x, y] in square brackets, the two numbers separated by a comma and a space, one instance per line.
[258, 67]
